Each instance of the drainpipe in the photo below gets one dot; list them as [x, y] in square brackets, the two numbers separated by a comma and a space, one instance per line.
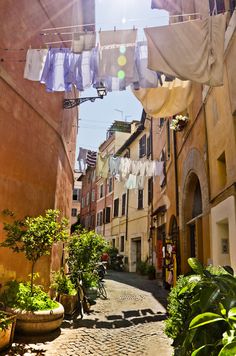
[127, 215]
[176, 174]
[151, 229]
[105, 204]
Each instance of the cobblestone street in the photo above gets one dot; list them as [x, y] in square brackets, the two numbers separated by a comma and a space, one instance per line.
[130, 322]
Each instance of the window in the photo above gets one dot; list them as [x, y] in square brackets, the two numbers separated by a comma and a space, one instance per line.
[149, 148]
[122, 244]
[109, 185]
[150, 190]
[87, 198]
[93, 195]
[99, 218]
[82, 202]
[107, 215]
[161, 122]
[140, 199]
[101, 191]
[142, 146]
[76, 194]
[74, 212]
[222, 169]
[116, 207]
[123, 204]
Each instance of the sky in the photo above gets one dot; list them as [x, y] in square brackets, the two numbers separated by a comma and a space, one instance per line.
[95, 118]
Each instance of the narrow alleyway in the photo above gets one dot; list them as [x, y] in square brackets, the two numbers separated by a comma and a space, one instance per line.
[130, 322]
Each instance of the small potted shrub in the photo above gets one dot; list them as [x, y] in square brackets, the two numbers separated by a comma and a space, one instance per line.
[7, 327]
[34, 236]
[66, 291]
[151, 272]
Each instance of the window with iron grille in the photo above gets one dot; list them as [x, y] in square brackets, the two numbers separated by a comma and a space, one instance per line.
[150, 190]
[140, 199]
[123, 204]
[116, 207]
[74, 212]
[142, 146]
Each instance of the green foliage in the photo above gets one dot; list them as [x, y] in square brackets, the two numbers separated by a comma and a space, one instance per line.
[89, 279]
[62, 283]
[34, 236]
[142, 267]
[85, 249]
[178, 306]
[18, 295]
[202, 312]
[5, 321]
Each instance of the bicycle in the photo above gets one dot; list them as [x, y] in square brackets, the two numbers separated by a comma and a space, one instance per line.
[102, 293]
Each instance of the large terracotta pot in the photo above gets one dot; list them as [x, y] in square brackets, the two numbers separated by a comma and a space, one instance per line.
[38, 322]
[7, 335]
[69, 302]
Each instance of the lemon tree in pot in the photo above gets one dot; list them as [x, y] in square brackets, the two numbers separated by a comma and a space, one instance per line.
[34, 236]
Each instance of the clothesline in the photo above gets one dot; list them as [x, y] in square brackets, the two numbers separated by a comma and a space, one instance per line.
[137, 19]
[123, 169]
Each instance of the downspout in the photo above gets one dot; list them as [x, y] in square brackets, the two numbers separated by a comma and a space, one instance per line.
[105, 204]
[151, 229]
[176, 175]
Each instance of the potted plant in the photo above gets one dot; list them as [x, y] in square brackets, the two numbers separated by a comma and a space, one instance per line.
[66, 291]
[151, 272]
[34, 236]
[85, 249]
[179, 122]
[7, 327]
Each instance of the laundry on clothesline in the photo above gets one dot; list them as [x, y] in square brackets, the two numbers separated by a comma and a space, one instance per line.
[119, 60]
[200, 60]
[91, 158]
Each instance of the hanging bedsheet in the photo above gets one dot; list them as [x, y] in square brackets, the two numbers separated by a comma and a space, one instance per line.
[168, 100]
[194, 52]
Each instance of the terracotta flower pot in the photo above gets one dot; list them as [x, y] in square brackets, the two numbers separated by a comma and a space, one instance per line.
[38, 322]
[7, 335]
[69, 302]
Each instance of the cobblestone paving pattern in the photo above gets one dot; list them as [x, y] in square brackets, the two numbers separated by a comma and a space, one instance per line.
[129, 322]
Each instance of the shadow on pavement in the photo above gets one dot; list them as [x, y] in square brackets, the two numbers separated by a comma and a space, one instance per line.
[127, 319]
[22, 349]
[142, 283]
[21, 344]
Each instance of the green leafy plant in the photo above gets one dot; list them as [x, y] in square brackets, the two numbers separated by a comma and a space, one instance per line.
[142, 267]
[19, 295]
[5, 321]
[202, 312]
[62, 283]
[85, 249]
[34, 236]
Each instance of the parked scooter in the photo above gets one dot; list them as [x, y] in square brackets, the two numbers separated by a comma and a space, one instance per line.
[117, 263]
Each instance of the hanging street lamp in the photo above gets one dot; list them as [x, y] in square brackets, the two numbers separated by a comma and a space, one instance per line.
[71, 103]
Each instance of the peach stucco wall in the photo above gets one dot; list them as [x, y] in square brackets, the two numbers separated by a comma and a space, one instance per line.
[37, 137]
